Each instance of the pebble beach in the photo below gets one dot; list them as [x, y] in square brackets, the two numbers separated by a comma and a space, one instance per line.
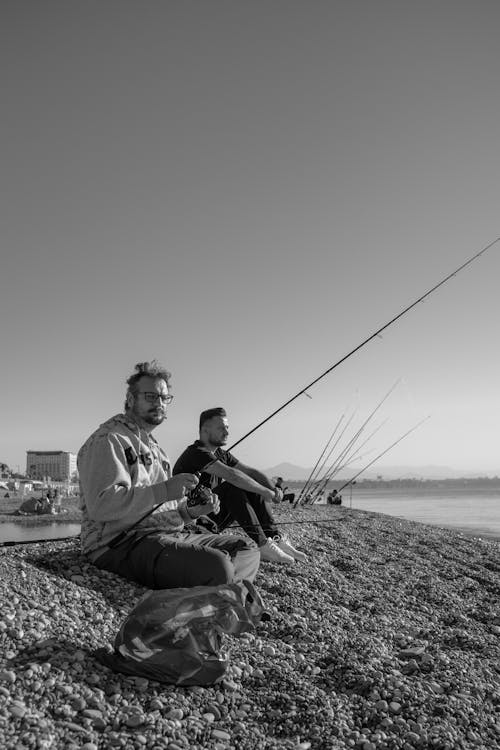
[388, 637]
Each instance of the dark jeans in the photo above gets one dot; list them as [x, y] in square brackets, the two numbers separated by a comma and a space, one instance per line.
[250, 511]
[163, 561]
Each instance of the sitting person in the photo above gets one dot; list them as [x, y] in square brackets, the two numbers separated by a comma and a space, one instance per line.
[244, 492]
[135, 519]
[48, 503]
[30, 507]
[288, 497]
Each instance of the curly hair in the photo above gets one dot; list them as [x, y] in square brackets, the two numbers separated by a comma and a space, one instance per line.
[151, 369]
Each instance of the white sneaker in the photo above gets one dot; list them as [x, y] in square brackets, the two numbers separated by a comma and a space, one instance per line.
[271, 552]
[284, 544]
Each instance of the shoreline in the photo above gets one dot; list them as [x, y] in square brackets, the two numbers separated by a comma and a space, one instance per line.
[388, 637]
[72, 515]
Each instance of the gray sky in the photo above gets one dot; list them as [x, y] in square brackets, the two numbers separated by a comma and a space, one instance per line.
[246, 191]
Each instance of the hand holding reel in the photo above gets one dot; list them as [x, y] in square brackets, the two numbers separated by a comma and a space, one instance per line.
[200, 495]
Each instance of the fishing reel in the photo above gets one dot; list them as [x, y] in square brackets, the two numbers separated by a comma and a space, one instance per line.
[200, 495]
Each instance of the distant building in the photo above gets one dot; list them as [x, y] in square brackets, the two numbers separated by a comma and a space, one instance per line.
[5, 472]
[59, 466]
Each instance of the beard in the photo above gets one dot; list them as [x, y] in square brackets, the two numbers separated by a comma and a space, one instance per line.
[154, 417]
[219, 442]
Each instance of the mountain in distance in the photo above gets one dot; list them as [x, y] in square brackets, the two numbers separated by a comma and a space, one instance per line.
[297, 473]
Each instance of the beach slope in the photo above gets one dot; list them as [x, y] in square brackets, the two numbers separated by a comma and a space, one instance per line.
[389, 637]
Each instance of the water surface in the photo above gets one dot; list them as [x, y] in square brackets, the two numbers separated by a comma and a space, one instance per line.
[472, 510]
[17, 532]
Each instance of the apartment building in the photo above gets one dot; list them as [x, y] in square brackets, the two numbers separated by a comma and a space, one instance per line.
[59, 466]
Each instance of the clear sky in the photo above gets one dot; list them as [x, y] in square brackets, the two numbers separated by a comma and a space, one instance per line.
[246, 191]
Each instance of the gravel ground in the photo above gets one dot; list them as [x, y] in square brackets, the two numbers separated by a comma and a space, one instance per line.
[389, 637]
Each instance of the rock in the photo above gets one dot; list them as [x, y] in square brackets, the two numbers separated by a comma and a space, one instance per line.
[175, 713]
[219, 734]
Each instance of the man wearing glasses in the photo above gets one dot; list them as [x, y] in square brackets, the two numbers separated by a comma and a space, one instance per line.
[124, 474]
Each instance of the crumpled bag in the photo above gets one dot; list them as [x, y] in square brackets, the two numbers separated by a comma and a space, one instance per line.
[175, 636]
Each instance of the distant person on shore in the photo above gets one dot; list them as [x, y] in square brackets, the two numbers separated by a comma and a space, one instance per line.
[124, 474]
[245, 493]
[288, 497]
[30, 507]
[278, 485]
[36, 506]
[47, 502]
[334, 498]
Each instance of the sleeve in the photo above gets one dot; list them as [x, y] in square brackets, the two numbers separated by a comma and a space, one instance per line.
[229, 459]
[192, 460]
[107, 487]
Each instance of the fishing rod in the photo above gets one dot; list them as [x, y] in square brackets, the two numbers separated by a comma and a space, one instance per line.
[313, 472]
[248, 526]
[39, 541]
[357, 434]
[350, 481]
[337, 466]
[313, 483]
[321, 482]
[363, 343]
[114, 542]
[346, 484]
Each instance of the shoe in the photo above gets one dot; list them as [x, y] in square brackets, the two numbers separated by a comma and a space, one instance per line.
[271, 552]
[284, 544]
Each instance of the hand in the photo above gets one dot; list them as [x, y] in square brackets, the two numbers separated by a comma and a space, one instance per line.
[278, 494]
[211, 504]
[179, 484]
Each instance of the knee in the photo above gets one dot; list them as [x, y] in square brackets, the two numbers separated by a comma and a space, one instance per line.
[218, 568]
[233, 493]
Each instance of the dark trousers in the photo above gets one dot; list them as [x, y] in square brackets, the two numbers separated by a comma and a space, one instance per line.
[163, 561]
[250, 511]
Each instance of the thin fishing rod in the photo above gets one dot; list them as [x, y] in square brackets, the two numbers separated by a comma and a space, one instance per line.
[39, 541]
[363, 343]
[363, 426]
[118, 538]
[311, 484]
[123, 534]
[347, 460]
[346, 484]
[337, 466]
[355, 455]
[323, 482]
[309, 479]
[319, 478]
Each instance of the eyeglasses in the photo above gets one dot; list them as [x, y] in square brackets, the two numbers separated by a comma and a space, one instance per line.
[165, 398]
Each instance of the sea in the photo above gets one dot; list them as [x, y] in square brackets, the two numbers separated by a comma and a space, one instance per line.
[474, 511]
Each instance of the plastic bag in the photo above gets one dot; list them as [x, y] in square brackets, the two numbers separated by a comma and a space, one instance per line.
[175, 635]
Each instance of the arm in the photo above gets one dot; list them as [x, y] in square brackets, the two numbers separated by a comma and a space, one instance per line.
[108, 490]
[241, 479]
[261, 478]
[256, 475]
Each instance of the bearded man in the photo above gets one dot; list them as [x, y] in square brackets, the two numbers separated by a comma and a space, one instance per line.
[124, 474]
[244, 492]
